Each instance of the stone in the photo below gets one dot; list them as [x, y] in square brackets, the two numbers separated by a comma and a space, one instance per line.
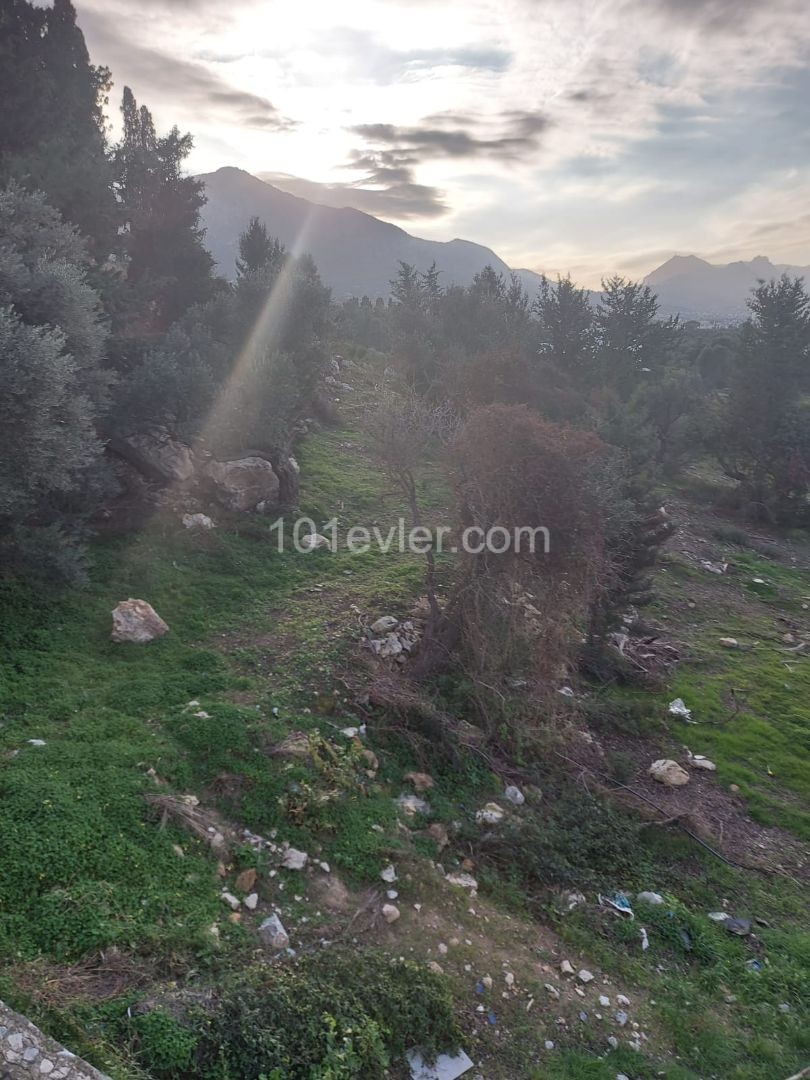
[246, 880]
[514, 795]
[613, 1042]
[244, 483]
[197, 521]
[412, 805]
[740, 927]
[566, 967]
[668, 772]
[390, 913]
[729, 643]
[157, 455]
[490, 814]
[678, 708]
[389, 874]
[621, 1017]
[421, 781]
[293, 859]
[136, 621]
[698, 761]
[438, 833]
[384, 625]
[272, 933]
[462, 880]
[622, 999]
[229, 899]
[552, 990]
[435, 967]
[548, 1044]
[650, 898]
[251, 901]
[604, 1001]
[37, 742]
[585, 976]
[313, 541]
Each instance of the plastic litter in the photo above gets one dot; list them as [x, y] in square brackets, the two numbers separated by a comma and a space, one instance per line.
[619, 902]
[678, 708]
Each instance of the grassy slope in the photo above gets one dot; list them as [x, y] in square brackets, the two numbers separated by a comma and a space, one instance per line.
[255, 636]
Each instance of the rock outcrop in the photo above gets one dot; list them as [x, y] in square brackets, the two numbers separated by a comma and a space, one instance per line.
[244, 483]
[25, 1052]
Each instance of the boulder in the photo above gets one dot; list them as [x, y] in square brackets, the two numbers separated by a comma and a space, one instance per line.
[197, 521]
[490, 814]
[157, 454]
[272, 933]
[421, 781]
[244, 483]
[135, 620]
[293, 859]
[668, 772]
[390, 912]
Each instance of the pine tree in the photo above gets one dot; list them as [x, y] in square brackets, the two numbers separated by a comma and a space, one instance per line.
[256, 249]
[168, 265]
[52, 129]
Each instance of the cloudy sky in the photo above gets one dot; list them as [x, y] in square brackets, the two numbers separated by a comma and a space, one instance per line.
[582, 136]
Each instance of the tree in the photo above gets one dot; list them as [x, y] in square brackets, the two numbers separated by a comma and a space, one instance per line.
[52, 134]
[762, 437]
[52, 387]
[169, 269]
[631, 340]
[256, 249]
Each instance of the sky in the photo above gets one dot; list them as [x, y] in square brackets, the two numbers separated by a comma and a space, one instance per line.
[571, 136]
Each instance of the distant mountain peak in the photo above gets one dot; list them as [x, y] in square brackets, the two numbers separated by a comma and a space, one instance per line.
[356, 253]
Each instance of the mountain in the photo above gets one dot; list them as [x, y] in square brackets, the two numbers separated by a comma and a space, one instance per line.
[356, 254]
[697, 289]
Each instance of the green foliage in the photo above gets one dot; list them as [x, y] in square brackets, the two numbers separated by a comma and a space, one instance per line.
[163, 1045]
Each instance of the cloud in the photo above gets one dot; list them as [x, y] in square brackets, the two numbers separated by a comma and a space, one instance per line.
[189, 86]
[387, 189]
[515, 134]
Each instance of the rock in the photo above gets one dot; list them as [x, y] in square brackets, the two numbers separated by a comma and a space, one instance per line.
[421, 781]
[604, 1001]
[229, 899]
[463, 881]
[552, 990]
[384, 625]
[294, 745]
[741, 927]
[729, 643]
[566, 967]
[293, 859]
[514, 795]
[251, 902]
[246, 880]
[272, 933]
[613, 1042]
[435, 967]
[490, 814]
[650, 898]
[136, 621]
[157, 455]
[622, 999]
[438, 833]
[37, 742]
[668, 772]
[313, 541]
[698, 761]
[242, 484]
[412, 805]
[390, 913]
[389, 874]
[621, 1017]
[197, 521]
[548, 1044]
[585, 976]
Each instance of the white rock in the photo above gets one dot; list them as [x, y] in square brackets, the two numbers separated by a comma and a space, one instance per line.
[729, 643]
[197, 521]
[136, 621]
[622, 999]
[509, 978]
[293, 859]
[604, 1001]
[313, 541]
[650, 898]
[698, 761]
[389, 874]
[668, 772]
[514, 795]
[585, 976]
[272, 933]
[231, 900]
[390, 913]
[490, 814]
[463, 880]
[251, 901]
[566, 967]
[37, 742]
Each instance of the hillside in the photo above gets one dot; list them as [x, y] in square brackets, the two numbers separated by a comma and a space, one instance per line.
[251, 720]
[356, 254]
[695, 289]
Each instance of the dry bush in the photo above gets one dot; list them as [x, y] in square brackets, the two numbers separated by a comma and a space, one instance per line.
[524, 613]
